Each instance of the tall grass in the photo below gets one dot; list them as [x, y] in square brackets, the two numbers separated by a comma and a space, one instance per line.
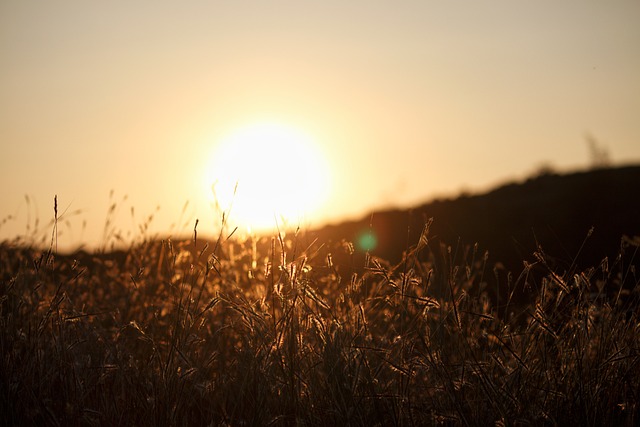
[190, 333]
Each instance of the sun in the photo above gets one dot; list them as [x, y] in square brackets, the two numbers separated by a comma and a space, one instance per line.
[268, 175]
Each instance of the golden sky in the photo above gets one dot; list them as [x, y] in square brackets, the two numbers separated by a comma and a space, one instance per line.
[402, 100]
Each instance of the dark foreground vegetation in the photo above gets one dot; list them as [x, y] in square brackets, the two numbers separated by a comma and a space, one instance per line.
[171, 333]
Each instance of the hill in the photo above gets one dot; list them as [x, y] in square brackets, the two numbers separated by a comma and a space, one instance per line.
[551, 211]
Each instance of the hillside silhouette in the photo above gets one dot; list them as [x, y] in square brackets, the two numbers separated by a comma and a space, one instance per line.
[550, 211]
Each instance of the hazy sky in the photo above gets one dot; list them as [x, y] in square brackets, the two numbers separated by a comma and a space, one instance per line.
[405, 99]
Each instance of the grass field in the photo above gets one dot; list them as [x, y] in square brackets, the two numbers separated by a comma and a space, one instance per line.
[179, 333]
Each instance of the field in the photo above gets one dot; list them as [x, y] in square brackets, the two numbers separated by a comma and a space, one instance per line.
[232, 332]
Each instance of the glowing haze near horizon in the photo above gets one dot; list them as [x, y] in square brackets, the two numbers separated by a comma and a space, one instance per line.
[403, 100]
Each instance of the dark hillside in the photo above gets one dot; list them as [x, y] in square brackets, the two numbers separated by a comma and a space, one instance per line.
[553, 211]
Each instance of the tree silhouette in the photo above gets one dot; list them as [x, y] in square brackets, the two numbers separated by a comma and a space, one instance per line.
[599, 154]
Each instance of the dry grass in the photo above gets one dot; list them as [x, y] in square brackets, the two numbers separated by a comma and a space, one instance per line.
[177, 334]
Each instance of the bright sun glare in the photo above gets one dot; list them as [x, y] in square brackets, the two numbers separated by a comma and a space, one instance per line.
[268, 174]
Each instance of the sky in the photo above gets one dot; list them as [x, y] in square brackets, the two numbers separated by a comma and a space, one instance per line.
[128, 103]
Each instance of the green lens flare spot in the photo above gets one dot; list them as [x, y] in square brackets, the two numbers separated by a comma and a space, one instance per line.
[367, 241]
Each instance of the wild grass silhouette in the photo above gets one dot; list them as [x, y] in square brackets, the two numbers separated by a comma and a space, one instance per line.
[231, 332]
